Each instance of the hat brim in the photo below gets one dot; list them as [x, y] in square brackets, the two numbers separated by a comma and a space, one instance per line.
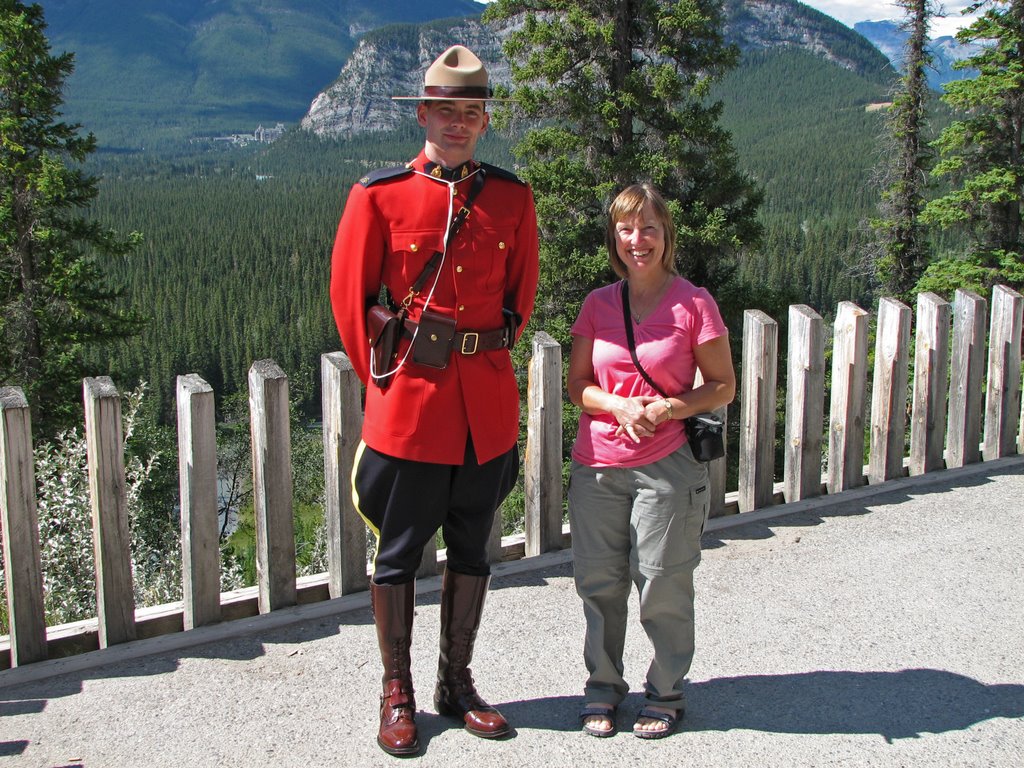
[446, 98]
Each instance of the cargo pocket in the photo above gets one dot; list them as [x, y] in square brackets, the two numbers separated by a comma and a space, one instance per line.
[668, 525]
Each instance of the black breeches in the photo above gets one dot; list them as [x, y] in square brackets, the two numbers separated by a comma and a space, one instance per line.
[405, 502]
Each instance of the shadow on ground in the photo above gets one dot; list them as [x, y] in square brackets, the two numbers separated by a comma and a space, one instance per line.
[895, 705]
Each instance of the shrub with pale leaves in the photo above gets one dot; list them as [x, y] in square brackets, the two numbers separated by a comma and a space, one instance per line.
[65, 529]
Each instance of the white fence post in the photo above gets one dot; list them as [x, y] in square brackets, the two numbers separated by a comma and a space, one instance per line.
[197, 479]
[272, 485]
[846, 412]
[757, 416]
[967, 366]
[931, 369]
[543, 466]
[889, 392]
[343, 420]
[805, 404]
[22, 567]
[115, 597]
[1002, 396]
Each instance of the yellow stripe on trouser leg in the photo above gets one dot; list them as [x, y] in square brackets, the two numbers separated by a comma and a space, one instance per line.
[355, 503]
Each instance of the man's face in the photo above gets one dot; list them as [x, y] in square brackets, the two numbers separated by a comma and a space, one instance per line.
[453, 128]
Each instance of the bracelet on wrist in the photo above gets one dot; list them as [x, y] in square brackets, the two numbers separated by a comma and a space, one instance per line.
[668, 407]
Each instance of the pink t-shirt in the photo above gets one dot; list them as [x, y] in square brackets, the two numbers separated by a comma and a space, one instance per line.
[685, 317]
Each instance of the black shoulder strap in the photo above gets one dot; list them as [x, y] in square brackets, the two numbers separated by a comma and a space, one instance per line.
[501, 173]
[382, 174]
[632, 342]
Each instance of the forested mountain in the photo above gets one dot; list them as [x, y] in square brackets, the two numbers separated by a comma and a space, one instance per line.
[235, 262]
[235, 258]
[157, 72]
[808, 132]
[236, 255]
[389, 61]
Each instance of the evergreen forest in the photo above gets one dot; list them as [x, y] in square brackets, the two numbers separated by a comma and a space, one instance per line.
[234, 262]
[235, 257]
[813, 146]
[198, 67]
[144, 264]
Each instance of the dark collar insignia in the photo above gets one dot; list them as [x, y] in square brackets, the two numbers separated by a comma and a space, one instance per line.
[451, 174]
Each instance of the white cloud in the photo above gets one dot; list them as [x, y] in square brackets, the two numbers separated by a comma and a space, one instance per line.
[851, 11]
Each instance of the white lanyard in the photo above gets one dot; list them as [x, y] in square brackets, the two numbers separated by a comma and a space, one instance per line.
[437, 272]
[448, 227]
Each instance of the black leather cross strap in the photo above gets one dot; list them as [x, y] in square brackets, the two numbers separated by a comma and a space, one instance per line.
[457, 221]
[632, 342]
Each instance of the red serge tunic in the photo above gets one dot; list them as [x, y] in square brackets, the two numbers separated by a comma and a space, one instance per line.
[390, 227]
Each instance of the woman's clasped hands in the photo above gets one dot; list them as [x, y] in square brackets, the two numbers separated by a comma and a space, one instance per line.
[639, 416]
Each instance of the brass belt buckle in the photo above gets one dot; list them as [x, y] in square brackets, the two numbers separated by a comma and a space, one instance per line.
[466, 340]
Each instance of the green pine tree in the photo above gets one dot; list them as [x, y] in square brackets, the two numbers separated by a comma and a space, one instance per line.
[983, 156]
[55, 300]
[616, 92]
[901, 249]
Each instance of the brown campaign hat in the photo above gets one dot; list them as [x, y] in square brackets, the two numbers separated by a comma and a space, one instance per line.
[456, 75]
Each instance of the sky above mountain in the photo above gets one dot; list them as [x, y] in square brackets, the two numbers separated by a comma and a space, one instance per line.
[849, 12]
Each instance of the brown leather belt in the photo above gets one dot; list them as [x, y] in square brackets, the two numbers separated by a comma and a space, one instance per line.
[470, 342]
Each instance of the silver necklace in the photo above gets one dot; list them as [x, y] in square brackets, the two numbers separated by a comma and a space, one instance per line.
[639, 314]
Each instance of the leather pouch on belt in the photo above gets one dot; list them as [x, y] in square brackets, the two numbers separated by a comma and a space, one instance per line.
[433, 344]
[384, 328]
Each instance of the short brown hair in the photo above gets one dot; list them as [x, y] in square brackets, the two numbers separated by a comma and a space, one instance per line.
[629, 204]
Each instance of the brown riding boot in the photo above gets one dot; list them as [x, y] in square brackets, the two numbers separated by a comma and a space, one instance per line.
[462, 603]
[392, 613]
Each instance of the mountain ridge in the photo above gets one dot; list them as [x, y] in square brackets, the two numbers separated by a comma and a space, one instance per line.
[157, 73]
[890, 38]
[169, 70]
[390, 61]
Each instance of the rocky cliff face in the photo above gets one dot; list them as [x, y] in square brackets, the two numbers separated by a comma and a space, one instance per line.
[758, 24]
[359, 101]
[386, 64]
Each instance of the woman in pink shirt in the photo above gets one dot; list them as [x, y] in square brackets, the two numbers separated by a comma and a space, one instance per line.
[638, 499]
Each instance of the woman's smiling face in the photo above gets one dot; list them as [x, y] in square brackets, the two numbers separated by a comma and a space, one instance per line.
[640, 241]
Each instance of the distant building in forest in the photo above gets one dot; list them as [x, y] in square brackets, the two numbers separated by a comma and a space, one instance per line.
[261, 136]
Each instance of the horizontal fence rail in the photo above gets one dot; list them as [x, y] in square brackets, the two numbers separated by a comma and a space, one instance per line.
[964, 405]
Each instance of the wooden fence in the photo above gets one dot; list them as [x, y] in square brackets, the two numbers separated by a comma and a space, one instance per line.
[953, 421]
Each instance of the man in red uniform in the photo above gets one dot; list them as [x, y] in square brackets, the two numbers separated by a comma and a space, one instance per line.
[439, 434]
